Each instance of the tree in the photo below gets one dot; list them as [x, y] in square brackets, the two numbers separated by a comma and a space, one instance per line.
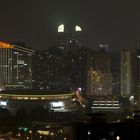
[39, 113]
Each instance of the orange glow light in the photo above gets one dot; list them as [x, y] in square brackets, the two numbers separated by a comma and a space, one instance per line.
[5, 45]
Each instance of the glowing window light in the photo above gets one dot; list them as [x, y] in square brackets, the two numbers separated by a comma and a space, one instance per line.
[34, 98]
[19, 98]
[61, 28]
[78, 28]
[26, 98]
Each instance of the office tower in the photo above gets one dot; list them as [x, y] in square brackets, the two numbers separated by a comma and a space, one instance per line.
[63, 65]
[67, 36]
[15, 66]
[99, 83]
[102, 60]
[99, 75]
[5, 64]
[116, 72]
[125, 72]
[39, 65]
[61, 38]
[79, 59]
[49, 69]
[136, 69]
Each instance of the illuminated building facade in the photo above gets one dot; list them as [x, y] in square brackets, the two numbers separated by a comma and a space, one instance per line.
[99, 79]
[15, 66]
[125, 72]
[99, 83]
[29, 99]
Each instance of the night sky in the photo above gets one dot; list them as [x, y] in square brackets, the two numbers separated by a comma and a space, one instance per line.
[116, 22]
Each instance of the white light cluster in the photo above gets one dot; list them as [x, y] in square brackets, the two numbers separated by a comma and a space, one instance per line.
[78, 28]
[3, 103]
[61, 28]
[57, 104]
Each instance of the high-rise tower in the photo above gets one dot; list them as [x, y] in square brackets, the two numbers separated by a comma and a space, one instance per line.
[15, 66]
[125, 72]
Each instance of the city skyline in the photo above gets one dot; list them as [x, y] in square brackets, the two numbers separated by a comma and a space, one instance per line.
[36, 22]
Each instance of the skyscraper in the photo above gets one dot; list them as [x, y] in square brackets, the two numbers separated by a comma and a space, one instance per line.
[116, 72]
[15, 66]
[63, 65]
[125, 72]
[99, 75]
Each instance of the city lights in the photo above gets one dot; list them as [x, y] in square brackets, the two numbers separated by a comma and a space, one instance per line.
[70, 70]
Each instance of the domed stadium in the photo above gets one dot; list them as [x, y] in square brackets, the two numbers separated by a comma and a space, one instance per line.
[29, 99]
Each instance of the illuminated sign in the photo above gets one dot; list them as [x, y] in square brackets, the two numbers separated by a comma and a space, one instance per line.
[3, 103]
[57, 104]
[5, 45]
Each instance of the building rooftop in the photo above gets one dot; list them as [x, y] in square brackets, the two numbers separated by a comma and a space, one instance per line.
[36, 92]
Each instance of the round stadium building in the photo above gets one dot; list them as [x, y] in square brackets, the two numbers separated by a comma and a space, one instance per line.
[29, 99]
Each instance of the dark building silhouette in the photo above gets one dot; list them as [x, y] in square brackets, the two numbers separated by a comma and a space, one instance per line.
[64, 65]
[115, 69]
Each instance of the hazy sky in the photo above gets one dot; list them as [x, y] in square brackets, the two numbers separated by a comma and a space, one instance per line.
[116, 22]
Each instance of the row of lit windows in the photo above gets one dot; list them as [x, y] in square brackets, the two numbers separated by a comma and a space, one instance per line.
[35, 98]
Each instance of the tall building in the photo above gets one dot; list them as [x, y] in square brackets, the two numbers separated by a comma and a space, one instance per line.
[15, 66]
[125, 72]
[61, 39]
[99, 83]
[68, 37]
[102, 61]
[77, 57]
[116, 72]
[49, 69]
[64, 65]
[136, 72]
[79, 61]
[99, 75]
[136, 69]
